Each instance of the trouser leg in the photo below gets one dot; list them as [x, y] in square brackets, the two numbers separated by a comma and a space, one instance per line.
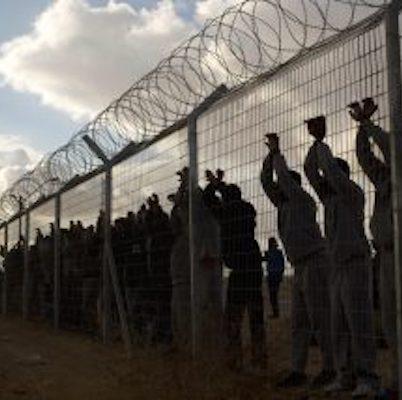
[181, 315]
[163, 332]
[273, 288]
[139, 311]
[341, 338]
[319, 307]
[235, 306]
[256, 316]
[300, 324]
[358, 304]
[388, 308]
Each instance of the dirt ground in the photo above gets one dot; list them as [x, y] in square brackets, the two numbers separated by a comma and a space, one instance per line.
[38, 364]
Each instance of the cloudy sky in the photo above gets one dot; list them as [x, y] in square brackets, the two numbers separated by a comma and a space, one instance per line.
[61, 61]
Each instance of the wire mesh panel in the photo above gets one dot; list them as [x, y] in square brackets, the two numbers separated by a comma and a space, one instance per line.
[142, 236]
[231, 137]
[294, 200]
[81, 254]
[41, 261]
[14, 266]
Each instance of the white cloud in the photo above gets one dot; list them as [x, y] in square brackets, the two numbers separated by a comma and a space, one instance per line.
[206, 9]
[78, 57]
[17, 158]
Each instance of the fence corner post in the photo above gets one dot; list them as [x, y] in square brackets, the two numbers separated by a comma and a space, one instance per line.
[106, 298]
[395, 106]
[193, 184]
[200, 319]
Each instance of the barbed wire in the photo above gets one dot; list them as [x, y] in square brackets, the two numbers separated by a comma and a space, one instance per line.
[248, 39]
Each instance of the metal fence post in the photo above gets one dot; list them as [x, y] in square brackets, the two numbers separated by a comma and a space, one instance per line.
[193, 185]
[26, 277]
[395, 105]
[57, 263]
[202, 322]
[5, 283]
[106, 310]
[109, 271]
[20, 209]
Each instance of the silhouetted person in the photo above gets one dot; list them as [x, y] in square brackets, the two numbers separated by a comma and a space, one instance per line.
[91, 278]
[203, 264]
[306, 250]
[159, 247]
[241, 254]
[180, 267]
[351, 281]
[43, 253]
[275, 269]
[100, 224]
[13, 265]
[378, 170]
[137, 274]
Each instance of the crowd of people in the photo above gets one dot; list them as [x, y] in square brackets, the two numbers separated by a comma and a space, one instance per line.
[332, 290]
[332, 296]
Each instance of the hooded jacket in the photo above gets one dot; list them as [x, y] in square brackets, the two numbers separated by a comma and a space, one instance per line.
[344, 204]
[297, 225]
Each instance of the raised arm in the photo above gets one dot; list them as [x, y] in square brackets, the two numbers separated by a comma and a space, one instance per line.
[270, 187]
[285, 181]
[338, 179]
[372, 166]
[376, 169]
[211, 200]
[313, 173]
[381, 139]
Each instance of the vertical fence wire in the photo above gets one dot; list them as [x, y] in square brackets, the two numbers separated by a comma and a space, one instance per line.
[82, 222]
[150, 216]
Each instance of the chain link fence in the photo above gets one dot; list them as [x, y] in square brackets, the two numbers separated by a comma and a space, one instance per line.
[198, 211]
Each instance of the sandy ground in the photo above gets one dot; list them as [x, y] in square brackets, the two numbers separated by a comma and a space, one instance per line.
[38, 364]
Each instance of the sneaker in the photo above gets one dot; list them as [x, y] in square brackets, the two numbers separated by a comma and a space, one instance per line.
[363, 389]
[340, 384]
[324, 378]
[294, 379]
[335, 387]
[387, 394]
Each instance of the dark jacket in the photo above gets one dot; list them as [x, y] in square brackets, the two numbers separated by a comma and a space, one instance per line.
[240, 250]
[297, 224]
[275, 265]
[344, 205]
